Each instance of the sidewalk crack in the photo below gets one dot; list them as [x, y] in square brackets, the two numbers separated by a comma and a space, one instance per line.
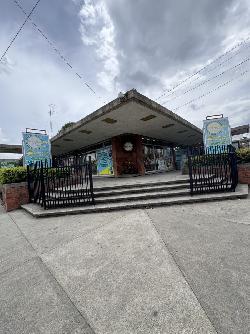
[180, 269]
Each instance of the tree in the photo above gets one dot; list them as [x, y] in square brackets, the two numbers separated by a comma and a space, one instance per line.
[66, 126]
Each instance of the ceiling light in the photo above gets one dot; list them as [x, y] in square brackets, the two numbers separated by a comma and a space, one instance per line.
[67, 139]
[109, 120]
[87, 132]
[167, 125]
[147, 118]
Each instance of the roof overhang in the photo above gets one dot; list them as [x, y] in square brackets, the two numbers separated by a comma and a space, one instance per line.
[4, 148]
[134, 113]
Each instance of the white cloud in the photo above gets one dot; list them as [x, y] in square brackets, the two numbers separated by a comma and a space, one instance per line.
[118, 45]
[97, 30]
[6, 65]
[3, 138]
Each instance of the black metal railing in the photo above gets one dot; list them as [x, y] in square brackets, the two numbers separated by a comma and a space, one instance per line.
[64, 184]
[213, 169]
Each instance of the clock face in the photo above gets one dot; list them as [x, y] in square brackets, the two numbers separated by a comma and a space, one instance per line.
[128, 146]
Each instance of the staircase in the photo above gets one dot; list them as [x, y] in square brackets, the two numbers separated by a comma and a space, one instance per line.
[135, 195]
[141, 192]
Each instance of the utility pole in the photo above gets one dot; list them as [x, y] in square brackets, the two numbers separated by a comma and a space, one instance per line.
[51, 112]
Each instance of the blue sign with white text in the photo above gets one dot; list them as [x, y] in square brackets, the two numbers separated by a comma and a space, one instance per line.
[36, 147]
[216, 132]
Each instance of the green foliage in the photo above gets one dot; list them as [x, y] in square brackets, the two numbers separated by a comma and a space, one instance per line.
[66, 126]
[13, 175]
[19, 174]
[243, 155]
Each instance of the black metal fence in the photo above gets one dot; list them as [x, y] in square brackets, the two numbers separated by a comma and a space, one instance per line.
[61, 184]
[213, 169]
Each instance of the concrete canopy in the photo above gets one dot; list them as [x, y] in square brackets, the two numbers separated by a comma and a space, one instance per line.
[4, 148]
[135, 114]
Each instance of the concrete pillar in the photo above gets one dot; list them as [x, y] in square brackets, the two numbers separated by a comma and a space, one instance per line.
[128, 162]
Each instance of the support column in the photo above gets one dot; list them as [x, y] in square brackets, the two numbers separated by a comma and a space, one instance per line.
[124, 162]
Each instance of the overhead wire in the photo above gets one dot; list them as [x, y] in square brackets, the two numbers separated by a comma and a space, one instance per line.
[211, 91]
[171, 91]
[28, 17]
[19, 30]
[55, 48]
[208, 80]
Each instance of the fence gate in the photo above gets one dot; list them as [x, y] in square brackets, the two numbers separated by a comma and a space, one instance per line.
[65, 184]
[213, 169]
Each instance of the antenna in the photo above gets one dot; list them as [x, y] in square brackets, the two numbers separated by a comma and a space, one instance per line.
[51, 112]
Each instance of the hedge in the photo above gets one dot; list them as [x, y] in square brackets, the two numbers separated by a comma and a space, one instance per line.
[13, 175]
[243, 155]
[19, 174]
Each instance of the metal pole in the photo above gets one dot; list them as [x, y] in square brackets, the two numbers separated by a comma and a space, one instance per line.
[29, 181]
[91, 180]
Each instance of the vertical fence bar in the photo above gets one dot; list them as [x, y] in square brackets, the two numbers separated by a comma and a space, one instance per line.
[213, 169]
[29, 183]
[190, 172]
[42, 186]
[68, 182]
[91, 181]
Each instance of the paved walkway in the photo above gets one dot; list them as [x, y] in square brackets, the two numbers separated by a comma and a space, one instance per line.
[165, 270]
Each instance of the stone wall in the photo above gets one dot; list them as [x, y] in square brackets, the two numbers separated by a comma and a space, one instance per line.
[244, 173]
[14, 195]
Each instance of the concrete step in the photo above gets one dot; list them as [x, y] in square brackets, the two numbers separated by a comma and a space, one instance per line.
[135, 187]
[130, 185]
[121, 191]
[138, 190]
[38, 211]
[127, 197]
[141, 196]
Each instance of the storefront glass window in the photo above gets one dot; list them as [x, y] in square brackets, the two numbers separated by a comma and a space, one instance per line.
[158, 158]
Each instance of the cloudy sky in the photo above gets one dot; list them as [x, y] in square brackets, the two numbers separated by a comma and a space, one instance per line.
[114, 46]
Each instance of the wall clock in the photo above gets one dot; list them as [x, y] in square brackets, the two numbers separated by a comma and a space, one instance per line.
[128, 146]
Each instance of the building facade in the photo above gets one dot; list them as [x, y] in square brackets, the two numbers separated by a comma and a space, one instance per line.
[130, 135]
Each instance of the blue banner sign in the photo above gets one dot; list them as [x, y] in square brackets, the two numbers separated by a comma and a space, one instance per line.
[216, 132]
[36, 147]
[104, 161]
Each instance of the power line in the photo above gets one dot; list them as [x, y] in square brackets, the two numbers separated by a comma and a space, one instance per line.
[19, 30]
[53, 46]
[208, 80]
[220, 64]
[201, 69]
[211, 91]
[210, 70]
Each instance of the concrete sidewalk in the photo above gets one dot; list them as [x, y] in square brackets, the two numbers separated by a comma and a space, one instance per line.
[165, 270]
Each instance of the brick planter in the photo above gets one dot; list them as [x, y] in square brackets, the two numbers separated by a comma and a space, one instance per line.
[14, 195]
[244, 173]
